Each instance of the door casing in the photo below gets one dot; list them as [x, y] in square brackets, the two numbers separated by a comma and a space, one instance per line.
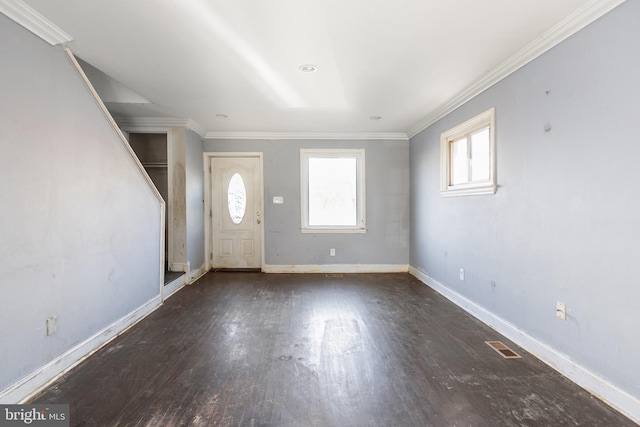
[208, 217]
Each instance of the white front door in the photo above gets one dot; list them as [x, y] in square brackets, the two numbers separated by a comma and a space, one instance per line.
[236, 217]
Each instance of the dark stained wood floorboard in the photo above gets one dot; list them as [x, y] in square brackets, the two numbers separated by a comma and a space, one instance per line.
[251, 349]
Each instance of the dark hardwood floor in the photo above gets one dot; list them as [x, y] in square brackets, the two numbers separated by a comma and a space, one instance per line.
[251, 349]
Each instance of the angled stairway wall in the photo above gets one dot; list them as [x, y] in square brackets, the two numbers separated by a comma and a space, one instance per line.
[81, 230]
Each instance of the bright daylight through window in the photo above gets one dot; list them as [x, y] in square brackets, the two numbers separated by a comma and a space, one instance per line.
[236, 198]
[467, 157]
[332, 191]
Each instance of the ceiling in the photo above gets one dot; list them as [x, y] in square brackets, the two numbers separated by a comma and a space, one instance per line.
[232, 66]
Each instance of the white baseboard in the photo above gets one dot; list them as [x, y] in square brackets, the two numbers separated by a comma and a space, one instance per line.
[180, 266]
[589, 380]
[173, 286]
[20, 391]
[196, 274]
[337, 268]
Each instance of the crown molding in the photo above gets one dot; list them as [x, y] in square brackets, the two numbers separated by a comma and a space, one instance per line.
[191, 124]
[158, 124]
[163, 124]
[30, 19]
[582, 17]
[309, 135]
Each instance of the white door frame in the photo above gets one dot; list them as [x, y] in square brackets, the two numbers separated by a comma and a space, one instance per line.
[208, 218]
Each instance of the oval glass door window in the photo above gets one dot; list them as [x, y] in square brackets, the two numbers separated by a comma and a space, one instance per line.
[236, 198]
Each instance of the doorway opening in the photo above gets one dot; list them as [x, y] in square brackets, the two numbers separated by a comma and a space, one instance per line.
[152, 151]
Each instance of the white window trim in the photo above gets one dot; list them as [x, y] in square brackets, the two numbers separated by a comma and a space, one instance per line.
[482, 120]
[305, 154]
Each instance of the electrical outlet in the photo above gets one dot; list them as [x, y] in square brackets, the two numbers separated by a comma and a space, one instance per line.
[462, 274]
[561, 310]
[332, 252]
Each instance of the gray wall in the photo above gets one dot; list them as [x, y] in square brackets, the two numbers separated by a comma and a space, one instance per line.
[195, 199]
[80, 227]
[387, 185]
[564, 224]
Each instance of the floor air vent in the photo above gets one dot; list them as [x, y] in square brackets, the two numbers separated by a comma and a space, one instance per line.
[505, 351]
[333, 275]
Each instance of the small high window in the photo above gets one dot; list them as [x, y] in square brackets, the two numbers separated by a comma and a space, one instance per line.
[332, 184]
[467, 157]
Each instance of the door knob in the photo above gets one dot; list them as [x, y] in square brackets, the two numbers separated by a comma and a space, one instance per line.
[258, 221]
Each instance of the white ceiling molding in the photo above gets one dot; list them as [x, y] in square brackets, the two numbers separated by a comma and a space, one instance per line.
[196, 128]
[558, 33]
[397, 136]
[34, 22]
[163, 124]
[157, 124]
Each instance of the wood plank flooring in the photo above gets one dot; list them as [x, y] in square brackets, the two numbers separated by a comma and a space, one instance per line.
[251, 349]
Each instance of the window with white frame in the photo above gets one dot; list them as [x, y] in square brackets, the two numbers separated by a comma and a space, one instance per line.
[467, 157]
[333, 196]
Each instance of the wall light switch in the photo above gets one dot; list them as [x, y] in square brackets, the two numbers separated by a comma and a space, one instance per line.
[52, 325]
[278, 200]
[561, 310]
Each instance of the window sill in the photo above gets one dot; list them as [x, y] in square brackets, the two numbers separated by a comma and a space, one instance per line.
[333, 230]
[476, 190]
